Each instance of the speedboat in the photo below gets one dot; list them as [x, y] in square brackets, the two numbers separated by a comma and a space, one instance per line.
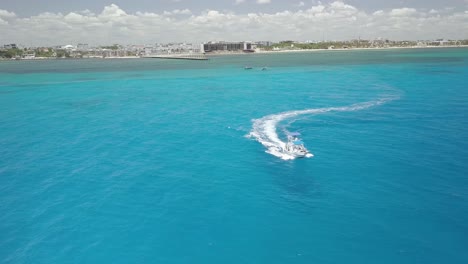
[248, 68]
[295, 146]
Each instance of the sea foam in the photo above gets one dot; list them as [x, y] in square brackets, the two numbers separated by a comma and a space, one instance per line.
[264, 129]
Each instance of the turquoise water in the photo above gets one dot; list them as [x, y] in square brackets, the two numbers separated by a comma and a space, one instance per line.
[148, 161]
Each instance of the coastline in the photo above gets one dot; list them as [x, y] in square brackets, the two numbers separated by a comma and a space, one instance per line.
[257, 52]
[330, 50]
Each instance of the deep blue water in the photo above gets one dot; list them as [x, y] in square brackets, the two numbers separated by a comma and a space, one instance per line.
[148, 161]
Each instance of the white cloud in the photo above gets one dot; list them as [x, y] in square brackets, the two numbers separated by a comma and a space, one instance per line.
[239, 2]
[317, 9]
[378, 13]
[342, 6]
[403, 12]
[74, 18]
[6, 14]
[263, 1]
[332, 21]
[178, 12]
[113, 10]
[300, 4]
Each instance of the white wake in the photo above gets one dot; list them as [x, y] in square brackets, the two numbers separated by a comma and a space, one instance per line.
[264, 129]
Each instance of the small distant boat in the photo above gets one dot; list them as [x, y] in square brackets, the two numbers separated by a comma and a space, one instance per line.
[247, 68]
[295, 146]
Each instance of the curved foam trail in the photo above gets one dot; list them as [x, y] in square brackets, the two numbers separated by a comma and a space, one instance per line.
[264, 129]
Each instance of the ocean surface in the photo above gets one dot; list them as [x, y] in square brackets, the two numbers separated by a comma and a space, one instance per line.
[169, 161]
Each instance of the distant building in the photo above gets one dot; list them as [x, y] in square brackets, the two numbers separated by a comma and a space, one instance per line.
[264, 43]
[29, 55]
[68, 47]
[440, 42]
[226, 46]
[82, 46]
[422, 44]
[10, 46]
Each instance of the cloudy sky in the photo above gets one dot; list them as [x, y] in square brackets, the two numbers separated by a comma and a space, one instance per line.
[56, 22]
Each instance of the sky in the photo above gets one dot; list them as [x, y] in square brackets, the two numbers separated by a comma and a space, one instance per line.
[102, 22]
